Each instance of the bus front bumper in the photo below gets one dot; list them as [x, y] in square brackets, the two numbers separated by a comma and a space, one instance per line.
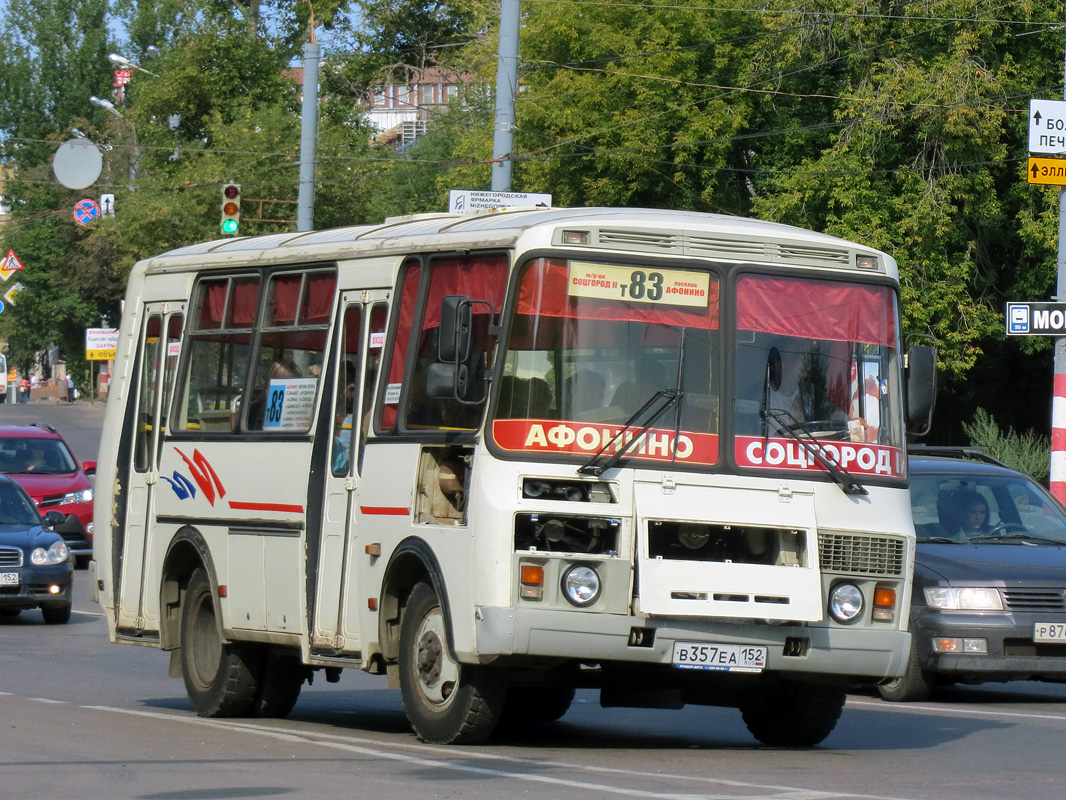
[863, 655]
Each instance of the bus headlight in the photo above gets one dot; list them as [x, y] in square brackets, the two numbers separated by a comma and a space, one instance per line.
[846, 603]
[581, 585]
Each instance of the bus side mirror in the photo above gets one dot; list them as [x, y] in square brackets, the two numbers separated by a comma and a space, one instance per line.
[446, 380]
[456, 328]
[920, 388]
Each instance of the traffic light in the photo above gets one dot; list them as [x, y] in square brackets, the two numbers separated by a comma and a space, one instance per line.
[231, 208]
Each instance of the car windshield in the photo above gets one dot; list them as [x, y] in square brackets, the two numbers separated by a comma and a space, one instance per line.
[16, 508]
[20, 456]
[998, 509]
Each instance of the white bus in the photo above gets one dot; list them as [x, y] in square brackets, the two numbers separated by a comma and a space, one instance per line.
[501, 457]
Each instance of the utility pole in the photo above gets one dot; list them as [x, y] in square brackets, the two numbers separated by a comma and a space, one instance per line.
[305, 199]
[506, 87]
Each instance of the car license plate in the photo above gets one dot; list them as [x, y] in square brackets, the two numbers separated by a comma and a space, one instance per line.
[719, 657]
[1049, 632]
[9, 579]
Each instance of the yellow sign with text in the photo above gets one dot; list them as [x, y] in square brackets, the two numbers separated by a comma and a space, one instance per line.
[1047, 171]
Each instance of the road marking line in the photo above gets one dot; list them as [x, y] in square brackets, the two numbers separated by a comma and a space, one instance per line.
[954, 710]
[377, 749]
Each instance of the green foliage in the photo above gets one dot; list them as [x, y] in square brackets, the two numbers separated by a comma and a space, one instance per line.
[1026, 452]
[903, 129]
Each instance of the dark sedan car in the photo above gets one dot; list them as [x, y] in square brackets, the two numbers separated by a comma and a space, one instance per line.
[36, 566]
[989, 599]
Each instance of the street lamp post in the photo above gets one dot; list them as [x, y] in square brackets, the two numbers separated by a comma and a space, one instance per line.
[109, 107]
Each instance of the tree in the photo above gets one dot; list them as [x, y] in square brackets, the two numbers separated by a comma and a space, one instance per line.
[54, 58]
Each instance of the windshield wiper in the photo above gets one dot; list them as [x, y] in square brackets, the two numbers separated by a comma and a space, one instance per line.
[785, 422]
[658, 405]
[666, 398]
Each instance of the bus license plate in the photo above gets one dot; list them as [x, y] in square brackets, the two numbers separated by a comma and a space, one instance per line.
[1049, 632]
[9, 579]
[719, 657]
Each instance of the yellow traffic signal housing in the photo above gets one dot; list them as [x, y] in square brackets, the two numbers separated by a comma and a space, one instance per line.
[231, 208]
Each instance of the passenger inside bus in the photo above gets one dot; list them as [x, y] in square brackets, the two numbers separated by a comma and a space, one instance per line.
[585, 390]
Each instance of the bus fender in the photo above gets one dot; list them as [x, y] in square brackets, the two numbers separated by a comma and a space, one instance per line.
[186, 552]
[412, 562]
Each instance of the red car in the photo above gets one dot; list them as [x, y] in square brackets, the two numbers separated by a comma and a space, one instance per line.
[38, 459]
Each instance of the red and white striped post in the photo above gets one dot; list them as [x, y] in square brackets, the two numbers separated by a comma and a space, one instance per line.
[1058, 415]
[1057, 482]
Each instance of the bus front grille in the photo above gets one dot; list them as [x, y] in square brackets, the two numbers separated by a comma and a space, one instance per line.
[855, 554]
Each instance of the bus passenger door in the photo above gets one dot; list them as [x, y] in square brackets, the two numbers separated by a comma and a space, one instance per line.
[160, 344]
[335, 627]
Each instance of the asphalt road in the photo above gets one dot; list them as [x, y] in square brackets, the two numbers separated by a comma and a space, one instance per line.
[82, 718]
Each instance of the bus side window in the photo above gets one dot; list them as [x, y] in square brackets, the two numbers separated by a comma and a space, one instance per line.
[219, 343]
[482, 277]
[379, 317]
[152, 340]
[292, 343]
[345, 410]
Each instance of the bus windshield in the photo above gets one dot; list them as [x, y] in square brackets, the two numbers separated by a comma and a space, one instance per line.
[591, 344]
[817, 359]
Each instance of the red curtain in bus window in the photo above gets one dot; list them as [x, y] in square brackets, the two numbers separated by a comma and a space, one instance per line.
[212, 305]
[544, 292]
[815, 309]
[284, 295]
[244, 299]
[479, 278]
[318, 298]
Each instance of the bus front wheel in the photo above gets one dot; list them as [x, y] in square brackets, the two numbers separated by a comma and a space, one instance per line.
[792, 714]
[446, 702]
[220, 678]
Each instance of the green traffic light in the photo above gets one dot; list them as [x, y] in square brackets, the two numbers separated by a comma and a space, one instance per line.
[229, 226]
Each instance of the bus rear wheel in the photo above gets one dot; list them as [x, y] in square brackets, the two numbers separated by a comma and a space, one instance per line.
[279, 686]
[792, 714]
[446, 702]
[538, 703]
[220, 678]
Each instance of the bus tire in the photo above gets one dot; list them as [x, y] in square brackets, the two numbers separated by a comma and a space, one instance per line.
[279, 686]
[446, 702]
[914, 684]
[220, 678]
[537, 703]
[792, 714]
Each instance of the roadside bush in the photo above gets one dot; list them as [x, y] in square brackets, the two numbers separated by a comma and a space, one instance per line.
[1027, 452]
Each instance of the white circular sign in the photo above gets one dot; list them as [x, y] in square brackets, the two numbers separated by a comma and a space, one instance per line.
[77, 163]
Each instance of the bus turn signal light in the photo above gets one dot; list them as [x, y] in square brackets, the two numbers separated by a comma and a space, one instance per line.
[532, 581]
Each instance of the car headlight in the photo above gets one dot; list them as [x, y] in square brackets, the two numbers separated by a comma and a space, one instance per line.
[56, 554]
[846, 603]
[963, 598]
[581, 585]
[83, 496]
